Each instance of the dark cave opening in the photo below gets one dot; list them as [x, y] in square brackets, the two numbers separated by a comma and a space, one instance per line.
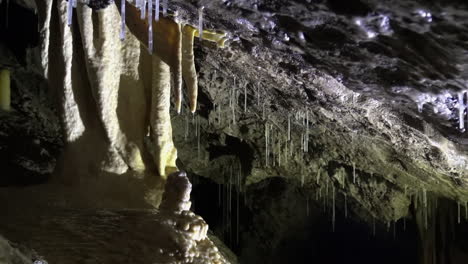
[309, 240]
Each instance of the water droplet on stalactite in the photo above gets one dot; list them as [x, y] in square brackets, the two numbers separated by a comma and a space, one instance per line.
[164, 7]
[200, 21]
[156, 10]
[70, 12]
[150, 27]
[122, 19]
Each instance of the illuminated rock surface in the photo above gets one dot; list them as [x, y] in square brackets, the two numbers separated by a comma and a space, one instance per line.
[316, 116]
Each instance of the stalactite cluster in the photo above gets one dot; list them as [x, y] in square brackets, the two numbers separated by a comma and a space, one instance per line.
[106, 51]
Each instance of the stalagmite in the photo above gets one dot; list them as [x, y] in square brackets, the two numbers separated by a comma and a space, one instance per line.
[5, 91]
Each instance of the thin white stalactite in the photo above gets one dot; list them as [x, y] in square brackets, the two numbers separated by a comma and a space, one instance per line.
[198, 136]
[70, 12]
[122, 17]
[150, 26]
[245, 98]
[200, 21]
[333, 208]
[466, 210]
[307, 131]
[346, 205]
[156, 10]
[165, 7]
[318, 176]
[266, 144]
[461, 111]
[354, 173]
[258, 95]
[373, 226]
[143, 9]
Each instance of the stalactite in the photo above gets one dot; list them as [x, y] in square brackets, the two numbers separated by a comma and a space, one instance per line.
[156, 10]
[200, 21]
[354, 173]
[165, 5]
[346, 205]
[318, 175]
[373, 226]
[333, 207]
[122, 18]
[70, 12]
[143, 9]
[461, 111]
[188, 69]
[245, 98]
[5, 91]
[150, 26]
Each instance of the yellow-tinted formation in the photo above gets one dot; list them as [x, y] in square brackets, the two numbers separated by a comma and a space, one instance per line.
[5, 92]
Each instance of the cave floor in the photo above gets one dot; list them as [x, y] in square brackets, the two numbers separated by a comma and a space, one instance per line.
[64, 231]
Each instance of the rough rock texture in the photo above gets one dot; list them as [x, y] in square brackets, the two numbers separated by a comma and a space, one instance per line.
[313, 64]
[356, 103]
[63, 231]
[9, 254]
